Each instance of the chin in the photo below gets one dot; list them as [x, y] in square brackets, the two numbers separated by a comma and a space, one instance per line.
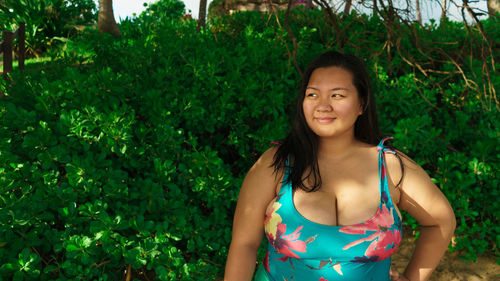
[325, 134]
[331, 134]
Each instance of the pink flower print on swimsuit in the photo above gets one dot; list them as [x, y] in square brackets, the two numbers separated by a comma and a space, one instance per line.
[384, 240]
[288, 244]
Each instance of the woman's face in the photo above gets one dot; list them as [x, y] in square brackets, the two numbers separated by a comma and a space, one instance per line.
[331, 103]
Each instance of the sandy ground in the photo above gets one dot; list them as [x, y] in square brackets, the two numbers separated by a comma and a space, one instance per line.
[451, 267]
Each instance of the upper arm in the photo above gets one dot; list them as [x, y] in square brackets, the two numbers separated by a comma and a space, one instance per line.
[422, 199]
[257, 190]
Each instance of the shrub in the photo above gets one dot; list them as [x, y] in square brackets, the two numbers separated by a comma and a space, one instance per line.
[132, 154]
[47, 21]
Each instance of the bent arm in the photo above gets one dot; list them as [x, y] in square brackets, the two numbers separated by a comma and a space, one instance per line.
[422, 199]
[257, 191]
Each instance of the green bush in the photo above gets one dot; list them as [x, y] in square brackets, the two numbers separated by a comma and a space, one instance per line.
[47, 21]
[156, 14]
[458, 148]
[133, 152]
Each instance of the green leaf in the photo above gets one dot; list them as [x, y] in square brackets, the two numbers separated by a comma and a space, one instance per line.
[72, 247]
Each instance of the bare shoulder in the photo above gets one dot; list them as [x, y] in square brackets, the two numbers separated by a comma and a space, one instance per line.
[405, 173]
[400, 166]
[261, 179]
[419, 194]
[263, 165]
[412, 173]
[267, 158]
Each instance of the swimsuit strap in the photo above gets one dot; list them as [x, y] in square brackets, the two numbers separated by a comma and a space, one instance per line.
[384, 186]
[381, 146]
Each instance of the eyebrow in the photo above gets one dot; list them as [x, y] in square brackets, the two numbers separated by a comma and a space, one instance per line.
[333, 89]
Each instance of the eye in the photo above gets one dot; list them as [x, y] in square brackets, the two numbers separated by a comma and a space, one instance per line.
[311, 95]
[337, 96]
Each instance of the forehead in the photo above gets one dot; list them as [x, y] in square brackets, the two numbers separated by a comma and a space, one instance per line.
[332, 75]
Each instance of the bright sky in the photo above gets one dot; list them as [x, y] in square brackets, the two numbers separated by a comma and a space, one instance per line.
[430, 9]
[124, 8]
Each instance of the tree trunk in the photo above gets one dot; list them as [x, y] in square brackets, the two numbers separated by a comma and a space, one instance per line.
[202, 13]
[493, 7]
[106, 19]
[443, 9]
[347, 8]
[419, 15]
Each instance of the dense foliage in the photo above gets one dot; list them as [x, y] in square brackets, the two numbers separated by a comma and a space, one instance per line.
[47, 21]
[131, 151]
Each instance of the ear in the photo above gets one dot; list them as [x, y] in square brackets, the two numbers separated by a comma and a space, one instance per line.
[361, 109]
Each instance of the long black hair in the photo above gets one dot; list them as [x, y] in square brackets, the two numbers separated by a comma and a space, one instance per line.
[299, 150]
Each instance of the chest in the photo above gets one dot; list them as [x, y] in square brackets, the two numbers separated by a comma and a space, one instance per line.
[349, 194]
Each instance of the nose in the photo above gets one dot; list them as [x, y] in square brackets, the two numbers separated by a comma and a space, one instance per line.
[324, 105]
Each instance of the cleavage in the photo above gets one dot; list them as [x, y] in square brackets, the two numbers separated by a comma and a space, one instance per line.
[348, 203]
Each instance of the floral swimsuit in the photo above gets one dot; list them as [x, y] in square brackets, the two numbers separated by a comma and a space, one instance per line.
[301, 250]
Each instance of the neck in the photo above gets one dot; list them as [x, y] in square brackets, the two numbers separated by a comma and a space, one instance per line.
[337, 148]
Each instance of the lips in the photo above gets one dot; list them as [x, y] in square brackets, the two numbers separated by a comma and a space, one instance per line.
[325, 119]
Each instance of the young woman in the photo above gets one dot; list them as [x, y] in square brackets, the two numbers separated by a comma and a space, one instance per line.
[329, 197]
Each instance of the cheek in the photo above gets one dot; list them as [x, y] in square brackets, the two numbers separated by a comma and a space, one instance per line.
[348, 109]
[307, 107]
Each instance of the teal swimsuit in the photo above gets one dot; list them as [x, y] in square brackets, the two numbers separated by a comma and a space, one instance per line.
[301, 250]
